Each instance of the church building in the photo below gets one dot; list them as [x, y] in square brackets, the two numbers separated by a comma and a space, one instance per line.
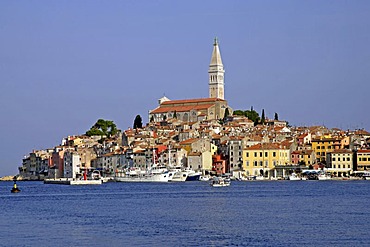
[192, 110]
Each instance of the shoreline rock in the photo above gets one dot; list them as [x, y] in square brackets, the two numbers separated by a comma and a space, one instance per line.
[7, 178]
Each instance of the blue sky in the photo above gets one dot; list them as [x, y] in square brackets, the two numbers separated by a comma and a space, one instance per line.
[65, 64]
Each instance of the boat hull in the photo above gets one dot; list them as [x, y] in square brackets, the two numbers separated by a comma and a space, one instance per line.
[72, 181]
[159, 178]
[193, 177]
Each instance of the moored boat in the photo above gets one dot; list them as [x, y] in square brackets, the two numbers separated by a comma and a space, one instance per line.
[366, 175]
[324, 176]
[294, 177]
[156, 174]
[204, 178]
[220, 182]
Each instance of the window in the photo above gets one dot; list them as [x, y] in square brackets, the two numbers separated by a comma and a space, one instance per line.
[255, 154]
[247, 154]
[266, 154]
[273, 154]
[260, 154]
[261, 164]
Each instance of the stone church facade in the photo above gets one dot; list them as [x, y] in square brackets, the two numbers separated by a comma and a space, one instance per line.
[192, 110]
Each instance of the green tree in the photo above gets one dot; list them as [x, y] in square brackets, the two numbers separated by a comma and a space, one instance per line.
[175, 114]
[253, 116]
[263, 120]
[250, 114]
[152, 119]
[103, 128]
[239, 113]
[138, 122]
[227, 113]
[276, 116]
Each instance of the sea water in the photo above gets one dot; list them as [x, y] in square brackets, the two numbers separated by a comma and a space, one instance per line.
[259, 213]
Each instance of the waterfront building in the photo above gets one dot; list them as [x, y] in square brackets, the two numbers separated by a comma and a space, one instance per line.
[174, 157]
[219, 165]
[303, 157]
[261, 159]
[193, 110]
[36, 164]
[235, 153]
[108, 163]
[362, 160]
[340, 162]
[72, 164]
[200, 161]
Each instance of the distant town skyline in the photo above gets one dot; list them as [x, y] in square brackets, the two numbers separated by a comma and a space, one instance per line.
[65, 64]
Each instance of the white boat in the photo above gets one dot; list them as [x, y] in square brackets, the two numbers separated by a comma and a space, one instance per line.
[294, 177]
[192, 175]
[324, 176]
[366, 175]
[179, 176]
[187, 174]
[204, 178]
[156, 174]
[72, 181]
[260, 178]
[147, 177]
[220, 182]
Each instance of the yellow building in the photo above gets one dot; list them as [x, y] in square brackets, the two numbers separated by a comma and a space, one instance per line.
[363, 160]
[340, 162]
[321, 146]
[262, 158]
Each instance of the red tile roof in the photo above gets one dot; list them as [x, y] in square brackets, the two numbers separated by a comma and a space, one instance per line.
[163, 109]
[188, 101]
[265, 146]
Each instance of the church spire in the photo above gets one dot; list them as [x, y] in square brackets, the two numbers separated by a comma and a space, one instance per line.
[216, 73]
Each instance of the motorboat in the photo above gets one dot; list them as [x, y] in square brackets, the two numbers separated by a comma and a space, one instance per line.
[204, 178]
[193, 175]
[294, 177]
[324, 176]
[220, 182]
[366, 175]
[186, 174]
[155, 174]
[260, 178]
[179, 176]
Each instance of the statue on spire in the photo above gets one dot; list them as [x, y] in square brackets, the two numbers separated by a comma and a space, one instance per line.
[216, 41]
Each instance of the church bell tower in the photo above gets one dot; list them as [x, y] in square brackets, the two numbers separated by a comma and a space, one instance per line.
[216, 74]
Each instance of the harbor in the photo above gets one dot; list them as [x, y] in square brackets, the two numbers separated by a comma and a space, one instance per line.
[187, 214]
